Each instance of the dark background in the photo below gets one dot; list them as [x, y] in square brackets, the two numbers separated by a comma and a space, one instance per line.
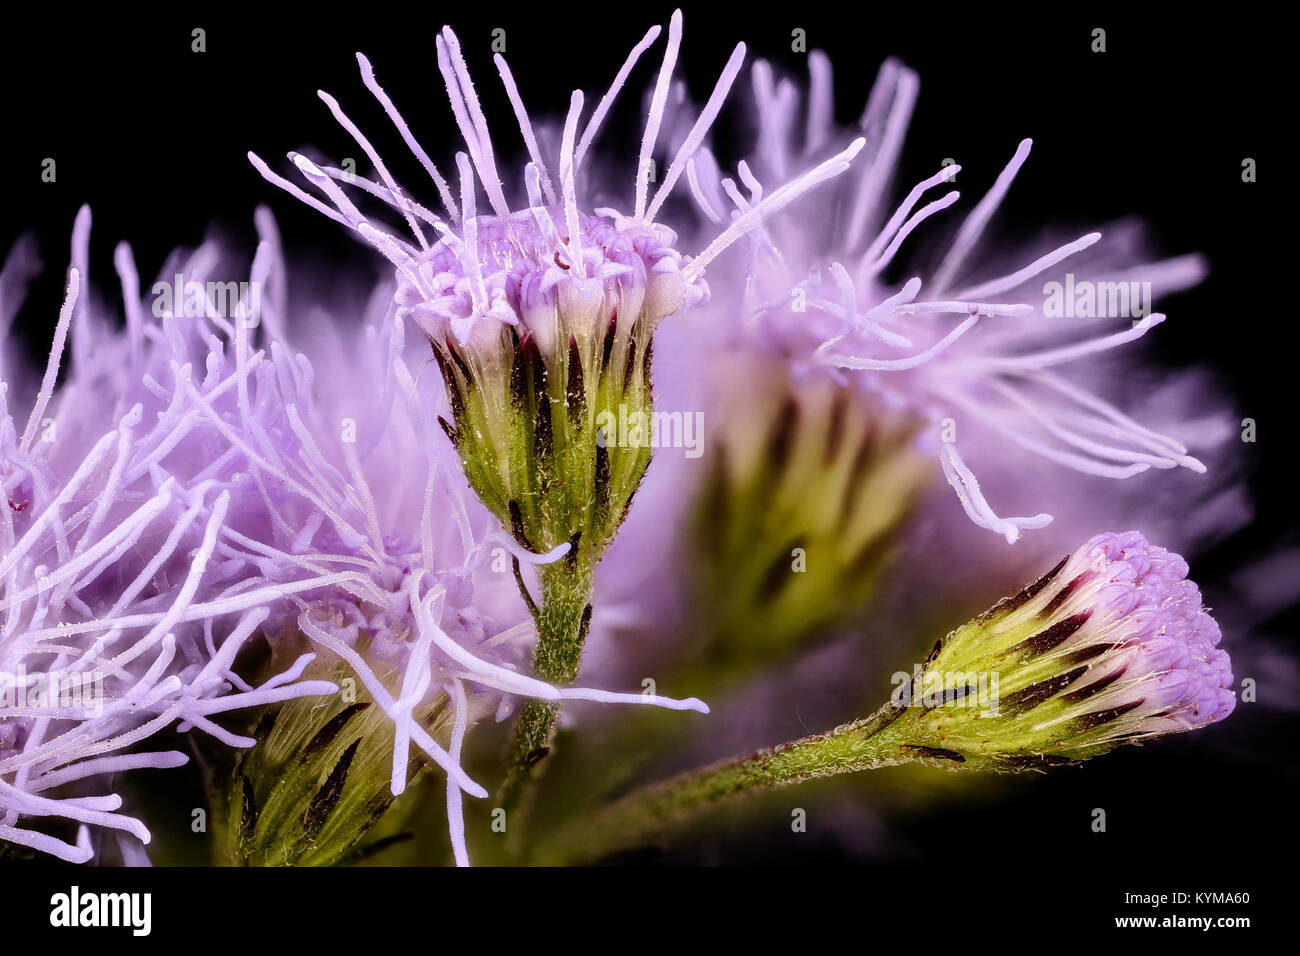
[154, 137]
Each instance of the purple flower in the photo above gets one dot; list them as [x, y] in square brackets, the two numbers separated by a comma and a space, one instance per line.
[541, 310]
[1156, 648]
[552, 265]
[191, 487]
[119, 577]
[974, 347]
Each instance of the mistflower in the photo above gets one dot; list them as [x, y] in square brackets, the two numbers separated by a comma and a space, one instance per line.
[318, 780]
[241, 491]
[1110, 647]
[971, 347]
[541, 314]
[123, 603]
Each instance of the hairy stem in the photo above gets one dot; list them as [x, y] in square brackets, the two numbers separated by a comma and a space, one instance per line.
[861, 745]
[562, 620]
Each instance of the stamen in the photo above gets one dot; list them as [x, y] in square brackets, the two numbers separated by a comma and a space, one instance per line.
[52, 366]
[455, 811]
[912, 361]
[568, 187]
[1043, 263]
[444, 192]
[963, 482]
[697, 133]
[875, 267]
[469, 115]
[1039, 360]
[656, 114]
[380, 168]
[525, 125]
[606, 101]
[900, 86]
[973, 227]
[821, 106]
[774, 201]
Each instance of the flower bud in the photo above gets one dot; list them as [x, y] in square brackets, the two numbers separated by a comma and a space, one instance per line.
[318, 780]
[1111, 646]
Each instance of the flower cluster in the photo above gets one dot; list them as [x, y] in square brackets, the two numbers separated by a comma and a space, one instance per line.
[542, 314]
[260, 505]
[231, 503]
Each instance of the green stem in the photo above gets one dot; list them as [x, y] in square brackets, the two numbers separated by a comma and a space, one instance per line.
[562, 619]
[861, 745]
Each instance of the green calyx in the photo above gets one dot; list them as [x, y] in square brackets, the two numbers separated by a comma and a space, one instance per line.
[1005, 692]
[548, 437]
[1015, 689]
[554, 438]
[318, 783]
[806, 485]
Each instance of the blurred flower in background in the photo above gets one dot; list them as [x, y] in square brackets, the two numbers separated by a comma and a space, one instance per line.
[1016, 365]
[970, 355]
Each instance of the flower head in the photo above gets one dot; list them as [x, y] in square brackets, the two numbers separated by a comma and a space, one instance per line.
[972, 347]
[541, 314]
[125, 590]
[1111, 646]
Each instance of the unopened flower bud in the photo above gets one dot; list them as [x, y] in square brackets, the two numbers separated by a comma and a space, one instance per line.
[564, 345]
[1111, 646]
[319, 779]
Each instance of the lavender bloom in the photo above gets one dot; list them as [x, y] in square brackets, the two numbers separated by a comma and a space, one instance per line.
[553, 267]
[1110, 647]
[264, 494]
[122, 602]
[977, 354]
[541, 316]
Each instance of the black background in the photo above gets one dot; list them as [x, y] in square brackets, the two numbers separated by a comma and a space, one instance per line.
[154, 137]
